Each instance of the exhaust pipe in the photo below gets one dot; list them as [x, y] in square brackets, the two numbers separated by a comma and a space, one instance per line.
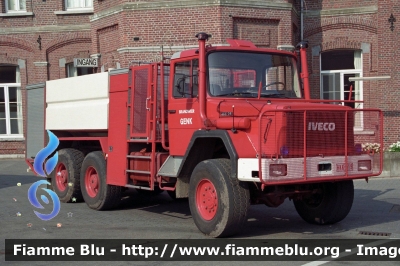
[202, 37]
[302, 46]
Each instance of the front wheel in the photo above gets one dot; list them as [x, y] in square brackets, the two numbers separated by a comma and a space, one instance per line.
[217, 201]
[330, 205]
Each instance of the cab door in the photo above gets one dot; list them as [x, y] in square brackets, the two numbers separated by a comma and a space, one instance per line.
[183, 105]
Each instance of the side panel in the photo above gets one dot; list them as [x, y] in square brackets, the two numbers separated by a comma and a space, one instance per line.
[35, 124]
[81, 102]
[117, 143]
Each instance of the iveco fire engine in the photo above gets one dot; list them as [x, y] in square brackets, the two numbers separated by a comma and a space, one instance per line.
[225, 126]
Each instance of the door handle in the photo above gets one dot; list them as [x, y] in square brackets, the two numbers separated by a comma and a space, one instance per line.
[172, 111]
[147, 108]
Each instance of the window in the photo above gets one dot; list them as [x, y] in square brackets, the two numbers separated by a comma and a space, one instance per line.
[77, 71]
[336, 69]
[78, 4]
[10, 102]
[186, 82]
[16, 5]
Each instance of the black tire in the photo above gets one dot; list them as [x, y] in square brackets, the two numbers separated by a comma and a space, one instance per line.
[227, 204]
[100, 196]
[330, 206]
[65, 179]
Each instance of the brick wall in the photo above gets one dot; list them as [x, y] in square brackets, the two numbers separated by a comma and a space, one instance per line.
[388, 53]
[171, 27]
[60, 35]
[331, 25]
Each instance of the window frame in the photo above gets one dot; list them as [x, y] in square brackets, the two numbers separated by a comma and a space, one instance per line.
[15, 11]
[261, 74]
[69, 67]
[76, 71]
[77, 8]
[342, 72]
[8, 134]
[193, 79]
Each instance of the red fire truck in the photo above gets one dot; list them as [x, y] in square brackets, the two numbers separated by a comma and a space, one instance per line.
[225, 126]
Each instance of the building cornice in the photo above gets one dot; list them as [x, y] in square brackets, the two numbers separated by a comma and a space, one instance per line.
[173, 48]
[136, 6]
[44, 29]
[341, 11]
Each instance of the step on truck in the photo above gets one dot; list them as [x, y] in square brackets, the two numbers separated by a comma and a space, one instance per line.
[224, 126]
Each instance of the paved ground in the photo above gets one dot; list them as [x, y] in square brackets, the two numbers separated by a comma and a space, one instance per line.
[376, 209]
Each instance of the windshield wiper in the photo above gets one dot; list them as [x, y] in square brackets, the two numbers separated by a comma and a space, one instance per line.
[254, 94]
[275, 95]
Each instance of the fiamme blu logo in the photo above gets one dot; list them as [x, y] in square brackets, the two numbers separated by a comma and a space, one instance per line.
[43, 168]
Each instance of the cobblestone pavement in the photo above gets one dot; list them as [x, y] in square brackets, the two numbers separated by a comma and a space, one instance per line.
[376, 209]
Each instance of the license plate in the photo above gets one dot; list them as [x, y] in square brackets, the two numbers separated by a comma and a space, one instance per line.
[341, 167]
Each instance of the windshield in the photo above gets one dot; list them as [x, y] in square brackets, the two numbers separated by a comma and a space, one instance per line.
[242, 74]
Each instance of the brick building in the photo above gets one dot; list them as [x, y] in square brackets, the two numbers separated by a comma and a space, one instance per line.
[40, 39]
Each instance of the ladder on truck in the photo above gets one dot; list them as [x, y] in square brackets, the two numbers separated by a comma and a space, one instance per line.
[146, 125]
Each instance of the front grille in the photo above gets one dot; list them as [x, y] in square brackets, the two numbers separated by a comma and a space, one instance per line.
[318, 143]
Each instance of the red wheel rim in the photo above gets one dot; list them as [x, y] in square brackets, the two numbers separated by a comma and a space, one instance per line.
[61, 177]
[206, 199]
[92, 182]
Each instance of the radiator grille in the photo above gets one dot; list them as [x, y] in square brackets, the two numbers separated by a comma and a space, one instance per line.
[320, 143]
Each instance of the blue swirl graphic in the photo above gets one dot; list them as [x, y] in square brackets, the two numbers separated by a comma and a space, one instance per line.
[44, 153]
[34, 201]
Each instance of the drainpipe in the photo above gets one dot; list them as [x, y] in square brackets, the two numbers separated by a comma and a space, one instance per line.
[301, 20]
[202, 37]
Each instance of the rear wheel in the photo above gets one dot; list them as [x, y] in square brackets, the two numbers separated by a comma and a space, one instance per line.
[218, 202]
[65, 179]
[96, 192]
[330, 206]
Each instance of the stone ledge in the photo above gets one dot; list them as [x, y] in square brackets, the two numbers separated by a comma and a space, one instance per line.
[135, 6]
[364, 132]
[74, 12]
[341, 11]
[16, 14]
[35, 86]
[174, 48]
[391, 164]
[12, 156]
[12, 139]
[40, 63]
[46, 28]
